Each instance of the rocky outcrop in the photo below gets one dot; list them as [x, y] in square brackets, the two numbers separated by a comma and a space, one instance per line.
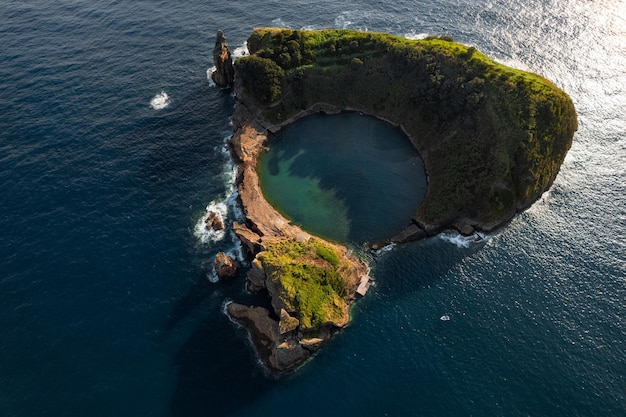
[214, 221]
[262, 328]
[224, 74]
[225, 266]
[256, 277]
[287, 323]
[279, 352]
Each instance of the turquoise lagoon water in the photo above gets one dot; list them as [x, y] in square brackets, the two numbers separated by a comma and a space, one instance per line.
[348, 177]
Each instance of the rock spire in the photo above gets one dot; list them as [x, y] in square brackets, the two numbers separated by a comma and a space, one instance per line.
[224, 74]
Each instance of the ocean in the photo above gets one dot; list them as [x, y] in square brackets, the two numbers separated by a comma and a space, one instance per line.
[113, 144]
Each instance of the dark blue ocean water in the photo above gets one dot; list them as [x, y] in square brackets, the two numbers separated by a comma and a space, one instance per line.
[106, 303]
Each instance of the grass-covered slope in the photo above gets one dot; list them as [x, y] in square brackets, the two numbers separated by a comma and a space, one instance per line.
[310, 281]
[492, 137]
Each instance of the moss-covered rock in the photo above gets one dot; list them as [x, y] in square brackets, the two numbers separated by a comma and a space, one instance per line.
[309, 281]
[492, 137]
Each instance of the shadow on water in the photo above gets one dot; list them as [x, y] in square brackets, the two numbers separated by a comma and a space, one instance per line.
[217, 370]
[197, 294]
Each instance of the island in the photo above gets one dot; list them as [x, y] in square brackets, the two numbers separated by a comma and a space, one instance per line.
[492, 139]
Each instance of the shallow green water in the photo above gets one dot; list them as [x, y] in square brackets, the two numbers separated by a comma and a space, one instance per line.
[347, 177]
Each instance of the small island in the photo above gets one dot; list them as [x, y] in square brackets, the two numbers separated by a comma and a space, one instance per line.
[492, 139]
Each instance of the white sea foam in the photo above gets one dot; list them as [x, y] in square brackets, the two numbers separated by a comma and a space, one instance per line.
[462, 241]
[240, 51]
[212, 276]
[352, 20]
[279, 23]
[209, 76]
[227, 207]
[415, 36]
[236, 251]
[225, 304]
[160, 101]
[205, 234]
[385, 249]
[343, 20]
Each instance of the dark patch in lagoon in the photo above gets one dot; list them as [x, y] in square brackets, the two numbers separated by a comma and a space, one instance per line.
[366, 192]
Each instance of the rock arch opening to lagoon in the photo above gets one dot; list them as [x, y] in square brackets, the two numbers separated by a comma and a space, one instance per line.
[347, 177]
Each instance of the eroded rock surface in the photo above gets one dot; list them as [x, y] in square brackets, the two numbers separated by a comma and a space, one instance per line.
[279, 352]
[225, 266]
[214, 221]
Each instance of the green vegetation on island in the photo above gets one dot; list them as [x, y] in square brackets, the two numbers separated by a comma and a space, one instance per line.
[492, 137]
[311, 280]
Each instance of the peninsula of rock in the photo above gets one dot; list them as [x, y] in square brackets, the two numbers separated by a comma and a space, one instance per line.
[492, 139]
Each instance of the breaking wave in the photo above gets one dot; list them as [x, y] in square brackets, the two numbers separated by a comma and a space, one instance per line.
[462, 241]
[226, 209]
[240, 51]
[385, 249]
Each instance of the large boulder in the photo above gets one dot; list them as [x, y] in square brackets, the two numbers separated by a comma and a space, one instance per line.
[263, 329]
[225, 266]
[214, 221]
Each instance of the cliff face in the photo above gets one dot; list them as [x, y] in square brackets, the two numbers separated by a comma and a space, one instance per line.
[492, 138]
[224, 74]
